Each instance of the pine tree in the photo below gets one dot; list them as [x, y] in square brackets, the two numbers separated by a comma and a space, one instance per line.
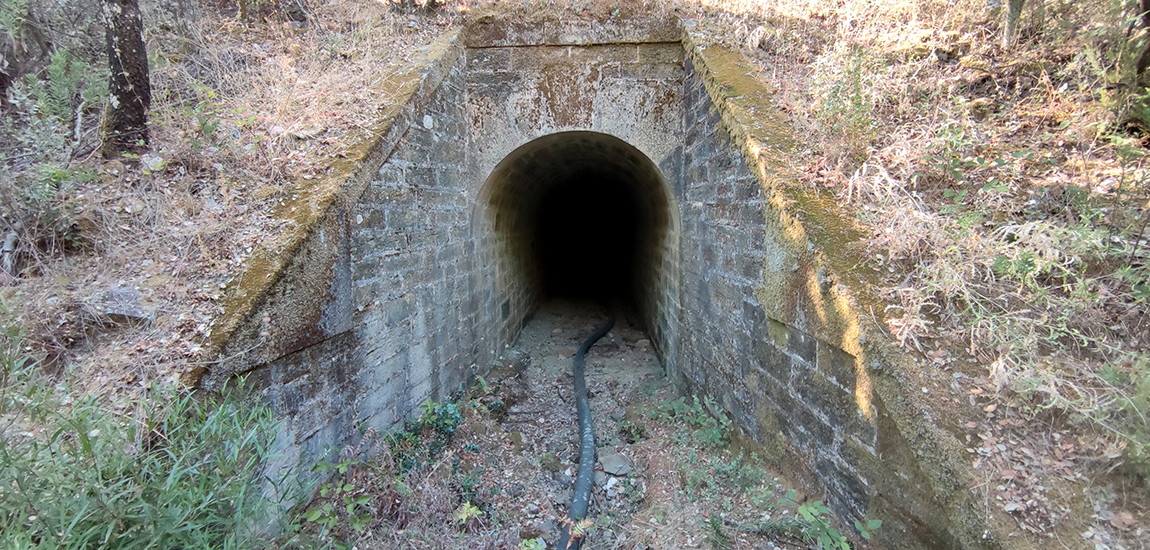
[126, 121]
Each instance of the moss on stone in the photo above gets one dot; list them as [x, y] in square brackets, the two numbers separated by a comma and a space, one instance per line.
[239, 335]
[820, 285]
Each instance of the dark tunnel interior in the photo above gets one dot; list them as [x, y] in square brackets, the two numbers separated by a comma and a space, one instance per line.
[586, 237]
[579, 215]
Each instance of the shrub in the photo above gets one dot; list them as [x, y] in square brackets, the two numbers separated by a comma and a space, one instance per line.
[845, 99]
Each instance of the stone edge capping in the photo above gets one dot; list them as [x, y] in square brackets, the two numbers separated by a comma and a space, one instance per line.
[314, 205]
[483, 29]
[764, 137]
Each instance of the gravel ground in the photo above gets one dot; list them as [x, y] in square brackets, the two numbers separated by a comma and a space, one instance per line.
[514, 457]
[536, 467]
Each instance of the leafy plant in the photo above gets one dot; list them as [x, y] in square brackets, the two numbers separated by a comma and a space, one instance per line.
[407, 449]
[960, 160]
[354, 504]
[465, 486]
[579, 529]
[867, 530]
[49, 206]
[818, 530]
[709, 477]
[204, 111]
[714, 533]
[466, 512]
[845, 98]
[810, 525]
[1129, 413]
[533, 544]
[439, 421]
[705, 429]
[425, 439]
[632, 432]
[12, 16]
[71, 85]
[815, 527]
[441, 418]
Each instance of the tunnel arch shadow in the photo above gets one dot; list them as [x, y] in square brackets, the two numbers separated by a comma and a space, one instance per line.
[581, 215]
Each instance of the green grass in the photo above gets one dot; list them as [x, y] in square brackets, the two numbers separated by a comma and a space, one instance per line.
[174, 470]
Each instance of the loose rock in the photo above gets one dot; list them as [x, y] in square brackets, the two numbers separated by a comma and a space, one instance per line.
[122, 305]
[615, 464]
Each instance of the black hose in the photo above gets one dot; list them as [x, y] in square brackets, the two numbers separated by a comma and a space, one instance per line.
[568, 539]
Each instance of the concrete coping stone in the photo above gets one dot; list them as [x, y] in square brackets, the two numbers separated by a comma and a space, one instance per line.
[231, 351]
[495, 31]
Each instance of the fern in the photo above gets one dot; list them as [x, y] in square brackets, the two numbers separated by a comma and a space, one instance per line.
[69, 83]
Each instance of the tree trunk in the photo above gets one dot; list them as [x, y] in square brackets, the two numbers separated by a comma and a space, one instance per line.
[1144, 58]
[1013, 14]
[23, 49]
[126, 121]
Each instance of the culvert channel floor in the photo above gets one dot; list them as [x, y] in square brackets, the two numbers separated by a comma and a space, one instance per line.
[505, 478]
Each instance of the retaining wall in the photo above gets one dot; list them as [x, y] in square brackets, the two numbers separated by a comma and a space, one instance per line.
[410, 268]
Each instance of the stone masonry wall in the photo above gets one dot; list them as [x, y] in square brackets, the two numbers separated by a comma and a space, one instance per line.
[417, 321]
[422, 316]
[403, 285]
[773, 379]
[518, 94]
[766, 322]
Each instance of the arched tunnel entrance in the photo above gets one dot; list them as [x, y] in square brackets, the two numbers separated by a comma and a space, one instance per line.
[580, 215]
[429, 263]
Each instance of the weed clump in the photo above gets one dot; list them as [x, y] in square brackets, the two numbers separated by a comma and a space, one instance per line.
[178, 472]
[707, 429]
[424, 439]
[377, 494]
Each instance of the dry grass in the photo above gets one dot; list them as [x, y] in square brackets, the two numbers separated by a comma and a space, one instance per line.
[1002, 189]
[241, 113]
[1006, 204]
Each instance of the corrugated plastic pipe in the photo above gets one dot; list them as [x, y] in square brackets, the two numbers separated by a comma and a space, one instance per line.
[571, 536]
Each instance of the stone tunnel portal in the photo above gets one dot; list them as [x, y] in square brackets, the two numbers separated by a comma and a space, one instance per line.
[488, 192]
[579, 215]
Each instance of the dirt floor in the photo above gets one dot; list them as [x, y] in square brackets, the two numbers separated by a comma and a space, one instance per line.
[666, 476]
